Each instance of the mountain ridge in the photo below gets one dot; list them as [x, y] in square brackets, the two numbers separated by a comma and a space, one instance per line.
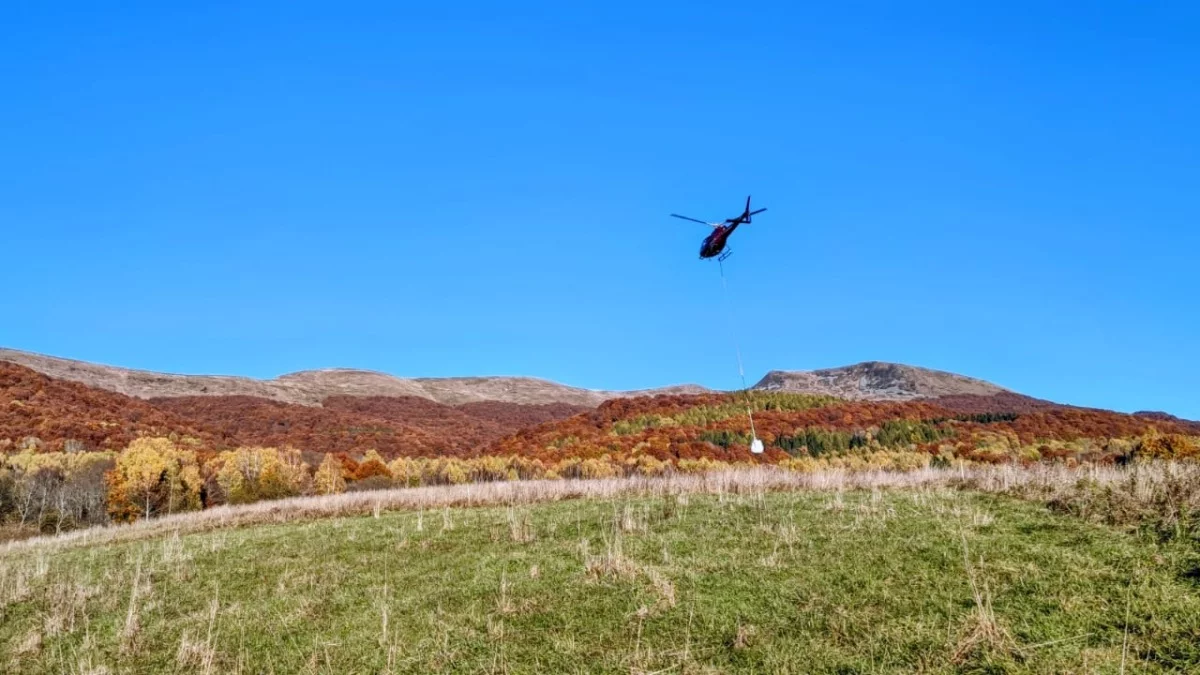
[312, 386]
[867, 380]
[878, 381]
[62, 413]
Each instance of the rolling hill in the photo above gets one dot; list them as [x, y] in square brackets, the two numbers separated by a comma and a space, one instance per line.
[311, 387]
[222, 448]
[871, 380]
[632, 576]
[69, 415]
[78, 405]
[65, 415]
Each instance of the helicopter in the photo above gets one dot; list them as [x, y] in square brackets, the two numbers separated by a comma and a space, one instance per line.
[714, 244]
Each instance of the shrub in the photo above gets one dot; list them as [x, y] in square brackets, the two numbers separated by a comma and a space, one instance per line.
[372, 465]
[371, 483]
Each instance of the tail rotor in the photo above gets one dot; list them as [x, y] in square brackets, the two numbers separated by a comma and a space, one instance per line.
[746, 215]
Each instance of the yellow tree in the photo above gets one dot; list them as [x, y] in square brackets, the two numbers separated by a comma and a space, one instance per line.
[446, 471]
[328, 479]
[251, 474]
[1154, 443]
[283, 474]
[488, 468]
[153, 476]
[294, 471]
[648, 465]
[407, 471]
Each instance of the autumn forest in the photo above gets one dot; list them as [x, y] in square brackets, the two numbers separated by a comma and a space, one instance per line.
[73, 455]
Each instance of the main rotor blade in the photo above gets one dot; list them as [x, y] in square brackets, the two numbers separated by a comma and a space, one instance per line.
[694, 220]
[758, 211]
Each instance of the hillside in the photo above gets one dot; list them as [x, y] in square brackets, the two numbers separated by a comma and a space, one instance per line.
[215, 450]
[877, 381]
[69, 415]
[715, 575]
[1002, 402]
[248, 421]
[871, 381]
[311, 387]
[339, 411]
[464, 426]
[63, 414]
[868, 396]
[805, 427]
[394, 426]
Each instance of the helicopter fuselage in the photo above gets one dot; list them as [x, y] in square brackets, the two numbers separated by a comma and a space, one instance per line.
[715, 242]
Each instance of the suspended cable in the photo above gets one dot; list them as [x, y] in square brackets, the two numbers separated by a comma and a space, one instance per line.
[755, 444]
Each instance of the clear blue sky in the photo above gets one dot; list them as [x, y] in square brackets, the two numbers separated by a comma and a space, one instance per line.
[1009, 192]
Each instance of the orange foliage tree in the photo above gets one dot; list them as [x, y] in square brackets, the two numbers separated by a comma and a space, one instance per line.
[153, 476]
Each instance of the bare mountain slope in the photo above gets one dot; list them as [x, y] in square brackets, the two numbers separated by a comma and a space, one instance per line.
[877, 381]
[311, 387]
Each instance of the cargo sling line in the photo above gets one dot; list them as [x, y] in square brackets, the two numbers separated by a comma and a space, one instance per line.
[755, 444]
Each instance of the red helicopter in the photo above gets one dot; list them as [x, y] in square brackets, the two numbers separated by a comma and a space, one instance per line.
[714, 243]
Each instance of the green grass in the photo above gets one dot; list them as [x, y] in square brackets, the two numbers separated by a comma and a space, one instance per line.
[803, 582]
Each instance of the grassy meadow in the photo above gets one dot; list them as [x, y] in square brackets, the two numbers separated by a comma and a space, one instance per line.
[922, 578]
